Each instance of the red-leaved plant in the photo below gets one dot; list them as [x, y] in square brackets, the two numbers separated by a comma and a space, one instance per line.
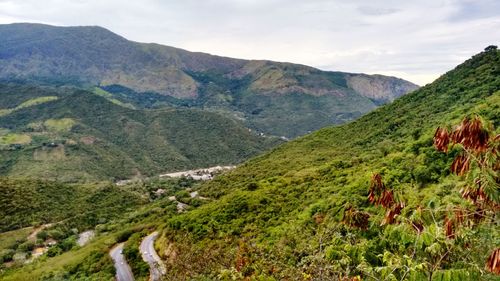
[479, 161]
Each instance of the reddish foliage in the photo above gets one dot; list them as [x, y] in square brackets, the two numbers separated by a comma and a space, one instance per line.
[493, 263]
[474, 194]
[355, 218]
[471, 134]
[392, 213]
[379, 194]
[441, 139]
[459, 216]
[477, 144]
[460, 165]
[418, 226]
[377, 182]
[376, 188]
[319, 218]
[386, 199]
[241, 259]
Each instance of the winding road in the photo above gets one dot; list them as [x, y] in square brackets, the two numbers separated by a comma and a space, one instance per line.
[149, 255]
[123, 271]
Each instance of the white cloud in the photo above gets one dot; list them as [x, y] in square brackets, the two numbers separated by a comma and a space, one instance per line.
[415, 40]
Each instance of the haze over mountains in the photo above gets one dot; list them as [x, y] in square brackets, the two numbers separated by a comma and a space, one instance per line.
[275, 98]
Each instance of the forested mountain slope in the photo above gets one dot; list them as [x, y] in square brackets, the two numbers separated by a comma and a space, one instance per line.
[74, 135]
[276, 98]
[303, 211]
[292, 213]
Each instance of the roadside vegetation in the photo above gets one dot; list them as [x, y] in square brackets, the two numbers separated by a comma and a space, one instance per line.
[132, 253]
[116, 214]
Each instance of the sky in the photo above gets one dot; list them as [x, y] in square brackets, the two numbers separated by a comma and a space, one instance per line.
[416, 40]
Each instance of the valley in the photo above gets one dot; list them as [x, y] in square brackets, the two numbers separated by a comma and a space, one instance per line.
[123, 160]
[274, 98]
[83, 137]
[301, 209]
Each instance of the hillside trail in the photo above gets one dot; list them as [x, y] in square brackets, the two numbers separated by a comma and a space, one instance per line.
[37, 230]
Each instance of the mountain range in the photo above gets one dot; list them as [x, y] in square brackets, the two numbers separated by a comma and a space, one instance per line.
[302, 211]
[275, 98]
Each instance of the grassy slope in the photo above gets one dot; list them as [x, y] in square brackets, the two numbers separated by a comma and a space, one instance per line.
[9, 238]
[121, 142]
[270, 201]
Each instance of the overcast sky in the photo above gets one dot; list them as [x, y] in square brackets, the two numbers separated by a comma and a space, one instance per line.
[415, 40]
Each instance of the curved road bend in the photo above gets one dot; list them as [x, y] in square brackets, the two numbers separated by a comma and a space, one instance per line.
[123, 271]
[149, 255]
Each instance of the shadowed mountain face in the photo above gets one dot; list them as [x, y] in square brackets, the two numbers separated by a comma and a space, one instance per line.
[271, 97]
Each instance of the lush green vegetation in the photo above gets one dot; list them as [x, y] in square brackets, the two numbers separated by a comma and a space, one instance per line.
[285, 215]
[109, 96]
[14, 139]
[113, 223]
[140, 268]
[59, 125]
[28, 103]
[10, 238]
[312, 209]
[35, 202]
[84, 137]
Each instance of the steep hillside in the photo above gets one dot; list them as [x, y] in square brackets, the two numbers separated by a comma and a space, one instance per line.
[289, 214]
[274, 98]
[73, 135]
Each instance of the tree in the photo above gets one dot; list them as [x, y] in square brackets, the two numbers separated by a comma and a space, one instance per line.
[448, 242]
[490, 48]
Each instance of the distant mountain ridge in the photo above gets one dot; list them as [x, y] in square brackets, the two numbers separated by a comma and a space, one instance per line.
[272, 97]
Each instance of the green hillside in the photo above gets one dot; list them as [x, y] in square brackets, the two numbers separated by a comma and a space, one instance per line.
[56, 213]
[279, 216]
[301, 211]
[275, 98]
[74, 135]
[34, 202]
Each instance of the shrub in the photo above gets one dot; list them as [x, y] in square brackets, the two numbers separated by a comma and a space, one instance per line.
[27, 246]
[123, 236]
